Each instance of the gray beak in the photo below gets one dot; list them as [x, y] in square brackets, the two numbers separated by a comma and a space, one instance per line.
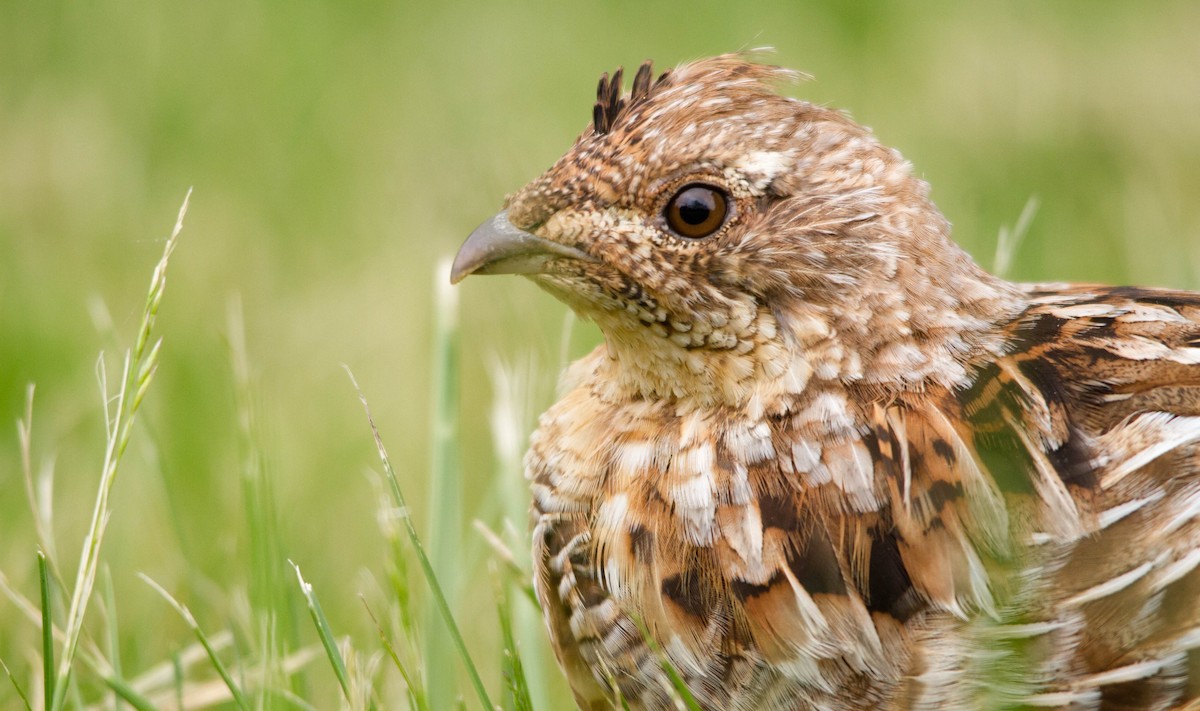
[499, 247]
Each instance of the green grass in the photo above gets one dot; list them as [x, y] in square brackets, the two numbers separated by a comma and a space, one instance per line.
[338, 152]
[263, 678]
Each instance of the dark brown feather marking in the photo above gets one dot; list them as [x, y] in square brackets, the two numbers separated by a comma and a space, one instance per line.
[1159, 297]
[1072, 459]
[889, 587]
[1043, 329]
[642, 543]
[744, 590]
[778, 512]
[641, 82]
[686, 591]
[943, 449]
[941, 493]
[815, 565]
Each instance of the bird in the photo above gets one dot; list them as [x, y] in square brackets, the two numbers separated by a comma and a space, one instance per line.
[822, 459]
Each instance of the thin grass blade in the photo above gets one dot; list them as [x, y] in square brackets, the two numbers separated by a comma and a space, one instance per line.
[114, 637]
[127, 693]
[16, 685]
[416, 694]
[325, 633]
[426, 567]
[47, 628]
[234, 690]
[514, 572]
[517, 696]
[1009, 241]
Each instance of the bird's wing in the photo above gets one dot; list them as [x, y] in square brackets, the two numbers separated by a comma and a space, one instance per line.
[1062, 489]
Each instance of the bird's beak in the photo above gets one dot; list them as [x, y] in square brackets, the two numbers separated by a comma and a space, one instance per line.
[499, 247]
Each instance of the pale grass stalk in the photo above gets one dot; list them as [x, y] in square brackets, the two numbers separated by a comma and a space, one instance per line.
[212, 692]
[504, 555]
[90, 655]
[362, 672]
[268, 588]
[137, 374]
[270, 604]
[512, 418]
[400, 598]
[1009, 241]
[564, 340]
[157, 681]
[517, 694]
[114, 636]
[445, 490]
[41, 494]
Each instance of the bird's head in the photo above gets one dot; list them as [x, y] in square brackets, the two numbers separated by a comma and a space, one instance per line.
[724, 236]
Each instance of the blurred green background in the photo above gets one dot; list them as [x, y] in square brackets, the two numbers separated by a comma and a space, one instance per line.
[338, 150]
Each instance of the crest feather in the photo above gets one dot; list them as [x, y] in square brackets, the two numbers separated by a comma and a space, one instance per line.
[612, 103]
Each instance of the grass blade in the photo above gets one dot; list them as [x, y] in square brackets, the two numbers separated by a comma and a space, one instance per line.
[1009, 241]
[39, 497]
[517, 696]
[272, 601]
[126, 692]
[426, 567]
[143, 363]
[325, 633]
[514, 572]
[238, 697]
[397, 561]
[177, 679]
[89, 655]
[114, 637]
[47, 629]
[16, 685]
[416, 694]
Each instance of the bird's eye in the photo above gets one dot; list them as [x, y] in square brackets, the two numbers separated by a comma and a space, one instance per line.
[697, 211]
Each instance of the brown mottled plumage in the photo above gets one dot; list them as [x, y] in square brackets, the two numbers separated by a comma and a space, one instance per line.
[823, 460]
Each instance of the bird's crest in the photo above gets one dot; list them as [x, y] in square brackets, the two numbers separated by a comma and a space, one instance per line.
[609, 100]
[742, 70]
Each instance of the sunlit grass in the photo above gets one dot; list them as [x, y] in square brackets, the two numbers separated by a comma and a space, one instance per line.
[264, 670]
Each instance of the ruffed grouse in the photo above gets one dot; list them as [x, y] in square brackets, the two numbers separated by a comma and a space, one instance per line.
[823, 460]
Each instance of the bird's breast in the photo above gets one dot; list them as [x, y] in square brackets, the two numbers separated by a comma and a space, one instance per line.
[713, 533]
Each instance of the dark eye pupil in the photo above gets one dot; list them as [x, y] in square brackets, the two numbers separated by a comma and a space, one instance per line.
[696, 211]
[696, 205]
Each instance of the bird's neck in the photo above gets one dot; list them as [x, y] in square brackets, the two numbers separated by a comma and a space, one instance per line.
[884, 341]
[651, 363]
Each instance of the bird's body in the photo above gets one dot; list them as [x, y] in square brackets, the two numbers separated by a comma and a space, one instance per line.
[822, 459]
